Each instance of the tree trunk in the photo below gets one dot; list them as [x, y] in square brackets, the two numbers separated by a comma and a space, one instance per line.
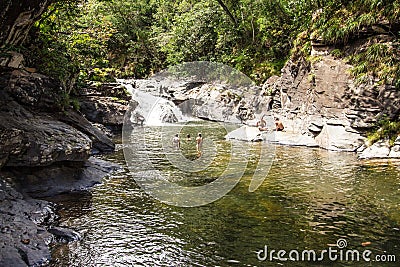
[17, 17]
[226, 9]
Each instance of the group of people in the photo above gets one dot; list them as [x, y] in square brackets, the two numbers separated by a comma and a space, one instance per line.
[262, 124]
[176, 141]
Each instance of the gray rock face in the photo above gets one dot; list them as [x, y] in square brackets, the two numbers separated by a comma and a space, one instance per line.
[44, 150]
[104, 110]
[105, 105]
[34, 131]
[64, 177]
[24, 239]
[208, 101]
[323, 100]
[40, 141]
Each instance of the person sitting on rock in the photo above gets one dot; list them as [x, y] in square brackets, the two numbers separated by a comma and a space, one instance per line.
[279, 125]
[261, 124]
[139, 119]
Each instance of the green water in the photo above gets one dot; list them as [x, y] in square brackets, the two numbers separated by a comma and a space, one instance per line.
[309, 199]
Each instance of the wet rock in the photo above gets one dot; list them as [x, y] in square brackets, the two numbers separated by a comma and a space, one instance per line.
[24, 222]
[64, 177]
[23, 239]
[64, 235]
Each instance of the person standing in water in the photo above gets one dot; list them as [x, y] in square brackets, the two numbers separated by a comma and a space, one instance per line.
[176, 141]
[199, 143]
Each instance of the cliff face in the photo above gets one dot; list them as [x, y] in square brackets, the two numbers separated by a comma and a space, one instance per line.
[34, 130]
[322, 99]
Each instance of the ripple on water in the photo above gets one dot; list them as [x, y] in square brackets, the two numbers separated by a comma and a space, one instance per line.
[309, 199]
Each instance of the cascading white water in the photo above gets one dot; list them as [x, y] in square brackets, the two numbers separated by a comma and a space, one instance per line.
[155, 111]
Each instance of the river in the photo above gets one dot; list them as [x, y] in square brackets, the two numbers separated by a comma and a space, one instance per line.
[311, 199]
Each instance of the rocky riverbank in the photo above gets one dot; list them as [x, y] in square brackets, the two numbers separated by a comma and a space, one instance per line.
[47, 148]
[319, 103]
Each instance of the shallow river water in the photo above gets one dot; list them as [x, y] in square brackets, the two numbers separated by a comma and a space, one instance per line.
[311, 199]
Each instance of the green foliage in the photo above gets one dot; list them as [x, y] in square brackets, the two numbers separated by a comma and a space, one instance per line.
[386, 129]
[67, 101]
[98, 40]
[71, 40]
[378, 60]
[341, 21]
[337, 53]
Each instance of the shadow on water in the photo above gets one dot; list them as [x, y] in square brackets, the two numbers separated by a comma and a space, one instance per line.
[309, 200]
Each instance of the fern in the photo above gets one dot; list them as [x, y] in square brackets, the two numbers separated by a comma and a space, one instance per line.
[376, 52]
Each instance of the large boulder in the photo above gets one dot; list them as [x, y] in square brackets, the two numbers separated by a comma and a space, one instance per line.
[245, 133]
[39, 141]
[35, 130]
[380, 149]
[336, 137]
[105, 104]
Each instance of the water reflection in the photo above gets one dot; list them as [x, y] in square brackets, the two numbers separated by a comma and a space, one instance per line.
[309, 200]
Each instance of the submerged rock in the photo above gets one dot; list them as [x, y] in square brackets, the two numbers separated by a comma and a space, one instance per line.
[64, 235]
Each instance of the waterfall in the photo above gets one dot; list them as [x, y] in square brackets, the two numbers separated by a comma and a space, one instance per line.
[153, 110]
